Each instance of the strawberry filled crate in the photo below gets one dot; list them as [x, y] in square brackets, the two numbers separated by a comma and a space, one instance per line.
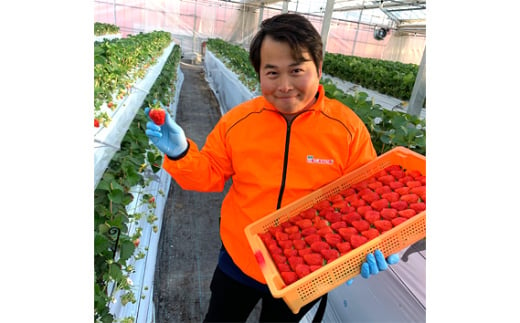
[283, 240]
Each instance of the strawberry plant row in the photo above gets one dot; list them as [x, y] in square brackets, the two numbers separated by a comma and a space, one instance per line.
[126, 211]
[388, 77]
[118, 64]
[108, 139]
[345, 221]
[101, 28]
[236, 59]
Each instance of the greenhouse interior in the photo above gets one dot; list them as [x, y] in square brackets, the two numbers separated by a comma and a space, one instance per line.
[156, 244]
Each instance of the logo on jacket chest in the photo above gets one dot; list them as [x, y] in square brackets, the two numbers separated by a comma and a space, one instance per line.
[313, 160]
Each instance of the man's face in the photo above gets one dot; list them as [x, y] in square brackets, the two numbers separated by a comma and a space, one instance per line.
[287, 84]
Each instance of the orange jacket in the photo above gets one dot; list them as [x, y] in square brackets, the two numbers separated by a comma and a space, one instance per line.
[271, 163]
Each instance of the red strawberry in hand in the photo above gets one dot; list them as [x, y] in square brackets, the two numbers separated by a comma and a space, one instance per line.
[158, 115]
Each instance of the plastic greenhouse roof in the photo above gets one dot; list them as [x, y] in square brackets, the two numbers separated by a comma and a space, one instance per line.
[407, 16]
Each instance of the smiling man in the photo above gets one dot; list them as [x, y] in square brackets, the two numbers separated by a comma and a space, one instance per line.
[275, 148]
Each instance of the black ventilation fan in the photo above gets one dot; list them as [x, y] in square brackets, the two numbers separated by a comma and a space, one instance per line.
[380, 33]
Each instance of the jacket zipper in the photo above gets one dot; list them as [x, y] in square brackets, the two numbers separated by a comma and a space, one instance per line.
[285, 161]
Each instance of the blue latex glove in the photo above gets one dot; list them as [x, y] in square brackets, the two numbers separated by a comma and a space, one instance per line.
[375, 263]
[169, 138]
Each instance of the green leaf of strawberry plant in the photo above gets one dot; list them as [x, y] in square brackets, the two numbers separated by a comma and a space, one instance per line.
[126, 250]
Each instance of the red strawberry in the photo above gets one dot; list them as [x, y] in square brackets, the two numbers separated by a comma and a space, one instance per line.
[274, 249]
[158, 115]
[383, 225]
[280, 236]
[418, 207]
[397, 173]
[324, 210]
[347, 192]
[346, 233]
[279, 259]
[291, 229]
[344, 247]
[395, 185]
[398, 220]
[364, 191]
[309, 213]
[303, 252]
[357, 240]
[310, 239]
[265, 237]
[392, 168]
[299, 244]
[308, 231]
[380, 173]
[314, 267]
[383, 189]
[295, 260]
[290, 252]
[372, 216]
[410, 198]
[405, 179]
[295, 236]
[285, 244]
[336, 198]
[324, 231]
[352, 198]
[96, 123]
[289, 277]
[322, 205]
[302, 270]
[408, 213]
[347, 209]
[294, 220]
[419, 190]
[361, 225]
[136, 242]
[357, 203]
[273, 230]
[391, 196]
[318, 245]
[370, 197]
[351, 217]
[329, 254]
[371, 233]
[286, 224]
[313, 259]
[363, 209]
[333, 217]
[332, 239]
[283, 267]
[340, 224]
[399, 205]
[402, 190]
[339, 205]
[380, 204]
[321, 223]
[360, 185]
[375, 185]
[413, 173]
[387, 179]
[412, 184]
[388, 213]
